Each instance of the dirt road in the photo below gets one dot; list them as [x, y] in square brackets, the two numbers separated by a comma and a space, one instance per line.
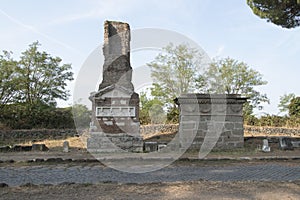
[178, 190]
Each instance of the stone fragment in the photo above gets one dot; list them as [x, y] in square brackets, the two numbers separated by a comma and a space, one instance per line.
[285, 143]
[265, 147]
[296, 144]
[160, 147]
[150, 146]
[66, 146]
[39, 147]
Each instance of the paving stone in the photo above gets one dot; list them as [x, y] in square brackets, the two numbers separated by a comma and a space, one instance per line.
[58, 174]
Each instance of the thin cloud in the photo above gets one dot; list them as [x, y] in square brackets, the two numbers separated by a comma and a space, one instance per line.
[35, 30]
[100, 9]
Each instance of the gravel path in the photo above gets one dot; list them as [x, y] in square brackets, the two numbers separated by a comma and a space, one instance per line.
[56, 174]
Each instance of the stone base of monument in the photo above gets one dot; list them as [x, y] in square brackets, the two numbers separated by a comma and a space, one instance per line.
[99, 142]
[211, 121]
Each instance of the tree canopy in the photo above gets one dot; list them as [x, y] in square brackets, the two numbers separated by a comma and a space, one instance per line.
[30, 87]
[284, 102]
[44, 78]
[294, 107]
[175, 71]
[9, 81]
[284, 13]
[230, 76]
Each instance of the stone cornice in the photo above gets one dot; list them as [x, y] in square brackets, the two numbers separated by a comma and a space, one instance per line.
[197, 98]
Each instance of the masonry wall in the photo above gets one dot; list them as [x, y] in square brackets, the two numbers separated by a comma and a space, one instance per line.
[146, 130]
[18, 136]
[211, 121]
[256, 131]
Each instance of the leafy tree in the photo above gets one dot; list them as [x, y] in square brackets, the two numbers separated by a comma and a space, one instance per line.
[285, 13]
[151, 110]
[43, 77]
[285, 100]
[81, 115]
[230, 76]
[294, 107]
[174, 72]
[30, 87]
[8, 79]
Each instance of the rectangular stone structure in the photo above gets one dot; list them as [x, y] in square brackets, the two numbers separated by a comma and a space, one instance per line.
[211, 121]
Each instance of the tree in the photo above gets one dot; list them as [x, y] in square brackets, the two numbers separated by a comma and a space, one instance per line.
[43, 77]
[30, 87]
[8, 79]
[285, 100]
[230, 76]
[151, 110]
[174, 72]
[81, 115]
[285, 13]
[294, 107]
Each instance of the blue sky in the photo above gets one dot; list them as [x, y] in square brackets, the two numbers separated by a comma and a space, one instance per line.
[72, 29]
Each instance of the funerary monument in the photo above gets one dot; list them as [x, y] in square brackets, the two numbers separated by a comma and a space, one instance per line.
[115, 105]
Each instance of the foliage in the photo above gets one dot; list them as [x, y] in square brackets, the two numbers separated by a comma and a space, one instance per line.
[233, 77]
[294, 107]
[173, 115]
[151, 110]
[29, 89]
[273, 120]
[21, 116]
[284, 102]
[174, 72]
[43, 77]
[8, 80]
[81, 115]
[293, 121]
[251, 120]
[285, 13]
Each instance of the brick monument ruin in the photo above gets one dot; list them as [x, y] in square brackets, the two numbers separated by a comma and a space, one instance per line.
[115, 105]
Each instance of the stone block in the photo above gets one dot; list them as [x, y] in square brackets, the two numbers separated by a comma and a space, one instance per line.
[229, 126]
[161, 147]
[285, 143]
[66, 146]
[188, 125]
[150, 146]
[101, 142]
[296, 144]
[39, 147]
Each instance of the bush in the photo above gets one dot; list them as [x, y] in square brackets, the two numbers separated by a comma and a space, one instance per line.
[272, 120]
[20, 116]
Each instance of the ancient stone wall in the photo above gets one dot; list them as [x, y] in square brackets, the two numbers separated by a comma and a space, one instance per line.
[42, 134]
[271, 131]
[153, 129]
[19, 136]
